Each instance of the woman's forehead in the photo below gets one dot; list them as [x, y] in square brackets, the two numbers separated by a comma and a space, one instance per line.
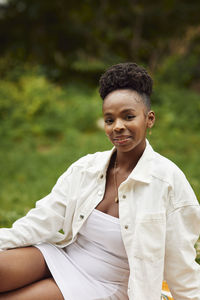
[123, 100]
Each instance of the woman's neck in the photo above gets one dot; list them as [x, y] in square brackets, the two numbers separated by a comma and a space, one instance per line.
[126, 161]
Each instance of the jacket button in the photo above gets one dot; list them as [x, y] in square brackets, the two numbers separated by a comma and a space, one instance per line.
[101, 176]
[124, 196]
[81, 216]
[126, 226]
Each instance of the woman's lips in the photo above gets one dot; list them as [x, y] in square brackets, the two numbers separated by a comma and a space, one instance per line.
[121, 140]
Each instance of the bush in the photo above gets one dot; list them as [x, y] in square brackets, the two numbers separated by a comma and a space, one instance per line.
[33, 106]
[179, 108]
[182, 67]
[180, 70]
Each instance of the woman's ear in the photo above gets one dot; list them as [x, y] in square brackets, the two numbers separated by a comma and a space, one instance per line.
[151, 119]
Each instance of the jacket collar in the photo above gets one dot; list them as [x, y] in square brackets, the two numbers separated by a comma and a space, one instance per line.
[141, 172]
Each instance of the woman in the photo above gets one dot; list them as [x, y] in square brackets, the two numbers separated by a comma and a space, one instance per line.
[129, 216]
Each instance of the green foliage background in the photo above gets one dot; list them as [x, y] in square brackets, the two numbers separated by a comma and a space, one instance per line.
[44, 127]
[51, 57]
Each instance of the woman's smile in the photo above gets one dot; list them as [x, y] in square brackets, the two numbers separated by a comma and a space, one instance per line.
[126, 120]
[121, 139]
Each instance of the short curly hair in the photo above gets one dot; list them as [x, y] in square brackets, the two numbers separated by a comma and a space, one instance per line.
[127, 76]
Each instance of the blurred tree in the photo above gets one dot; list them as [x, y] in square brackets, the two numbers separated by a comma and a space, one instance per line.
[70, 36]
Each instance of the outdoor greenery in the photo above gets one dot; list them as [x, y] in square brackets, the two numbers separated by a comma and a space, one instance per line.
[51, 57]
[80, 38]
[44, 127]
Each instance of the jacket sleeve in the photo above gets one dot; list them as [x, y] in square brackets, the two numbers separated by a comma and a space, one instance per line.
[43, 222]
[181, 272]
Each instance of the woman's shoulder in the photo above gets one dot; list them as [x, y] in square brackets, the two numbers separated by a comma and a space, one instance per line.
[166, 169]
[92, 159]
[179, 187]
[91, 163]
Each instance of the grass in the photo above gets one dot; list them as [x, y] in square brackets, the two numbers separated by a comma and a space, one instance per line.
[31, 161]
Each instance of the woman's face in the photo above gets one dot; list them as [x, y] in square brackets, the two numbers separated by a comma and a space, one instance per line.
[126, 120]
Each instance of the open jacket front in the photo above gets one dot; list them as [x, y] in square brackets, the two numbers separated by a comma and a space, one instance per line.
[159, 216]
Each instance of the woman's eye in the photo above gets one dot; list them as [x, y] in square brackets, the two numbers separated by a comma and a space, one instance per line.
[130, 117]
[108, 121]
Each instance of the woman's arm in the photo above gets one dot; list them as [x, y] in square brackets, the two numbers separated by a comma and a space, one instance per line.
[182, 273]
[42, 222]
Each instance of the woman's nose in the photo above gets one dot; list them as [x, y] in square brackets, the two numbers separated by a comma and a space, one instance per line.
[119, 125]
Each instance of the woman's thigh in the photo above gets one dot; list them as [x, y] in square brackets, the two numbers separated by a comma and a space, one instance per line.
[45, 289]
[21, 266]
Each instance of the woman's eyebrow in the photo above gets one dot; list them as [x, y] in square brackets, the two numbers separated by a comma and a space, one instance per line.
[124, 110]
[108, 114]
[128, 109]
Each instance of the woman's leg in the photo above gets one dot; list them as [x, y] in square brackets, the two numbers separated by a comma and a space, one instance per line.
[20, 267]
[45, 289]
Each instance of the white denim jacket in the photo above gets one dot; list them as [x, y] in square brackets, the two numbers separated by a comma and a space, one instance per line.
[159, 216]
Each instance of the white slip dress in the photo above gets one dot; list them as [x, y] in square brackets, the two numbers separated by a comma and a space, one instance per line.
[95, 266]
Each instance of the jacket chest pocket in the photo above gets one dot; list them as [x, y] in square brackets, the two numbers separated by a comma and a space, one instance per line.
[149, 238]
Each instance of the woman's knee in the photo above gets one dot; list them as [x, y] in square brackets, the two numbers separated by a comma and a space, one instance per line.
[21, 266]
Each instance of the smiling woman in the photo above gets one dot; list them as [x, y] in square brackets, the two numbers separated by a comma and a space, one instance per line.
[117, 223]
[127, 120]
